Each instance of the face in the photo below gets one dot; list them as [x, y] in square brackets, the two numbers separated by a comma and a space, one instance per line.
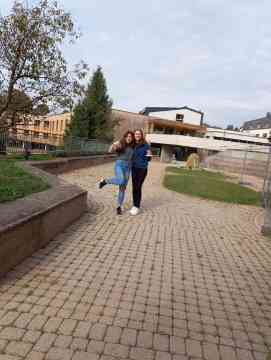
[129, 138]
[138, 136]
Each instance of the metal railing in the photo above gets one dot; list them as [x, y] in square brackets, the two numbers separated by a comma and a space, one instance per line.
[14, 143]
[84, 146]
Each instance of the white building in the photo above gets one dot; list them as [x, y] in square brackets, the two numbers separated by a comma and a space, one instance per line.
[259, 127]
[235, 136]
[183, 114]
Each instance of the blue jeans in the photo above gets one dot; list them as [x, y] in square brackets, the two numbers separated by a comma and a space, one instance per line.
[122, 173]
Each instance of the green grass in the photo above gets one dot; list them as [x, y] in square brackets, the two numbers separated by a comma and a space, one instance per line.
[34, 157]
[209, 185]
[16, 183]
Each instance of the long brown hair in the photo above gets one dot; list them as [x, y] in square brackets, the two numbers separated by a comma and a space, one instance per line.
[123, 143]
[143, 139]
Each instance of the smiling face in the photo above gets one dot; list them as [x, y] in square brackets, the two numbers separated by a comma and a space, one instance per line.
[138, 136]
[129, 138]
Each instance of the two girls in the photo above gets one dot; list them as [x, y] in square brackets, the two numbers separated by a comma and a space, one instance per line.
[133, 156]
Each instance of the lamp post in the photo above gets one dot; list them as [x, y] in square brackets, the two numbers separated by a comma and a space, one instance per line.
[266, 227]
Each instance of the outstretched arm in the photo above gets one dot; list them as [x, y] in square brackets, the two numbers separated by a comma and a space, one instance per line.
[114, 147]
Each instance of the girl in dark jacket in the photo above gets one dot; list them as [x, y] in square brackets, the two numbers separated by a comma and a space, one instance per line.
[141, 157]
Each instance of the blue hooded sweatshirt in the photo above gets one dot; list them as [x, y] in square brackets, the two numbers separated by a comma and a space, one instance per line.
[140, 159]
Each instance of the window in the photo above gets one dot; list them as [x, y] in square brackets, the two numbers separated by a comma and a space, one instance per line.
[179, 117]
[46, 124]
[265, 135]
[37, 123]
[257, 135]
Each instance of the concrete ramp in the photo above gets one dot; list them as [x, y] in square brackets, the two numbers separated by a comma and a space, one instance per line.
[201, 143]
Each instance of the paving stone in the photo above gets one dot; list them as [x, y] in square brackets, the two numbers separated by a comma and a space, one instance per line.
[97, 332]
[140, 353]
[82, 329]
[35, 355]
[52, 324]
[161, 342]
[174, 281]
[9, 318]
[96, 347]
[145, 339]
[3, 344]
[193, 348]
[11, 333]
[45, 342]
[210, 351]
[63, 341]
[37, 322]
[82, 355]
[18, 348]
[59, 354]
[32, 336]
[23, 320]
[79, 344]
[128, 337]
[9, 357]
[163, 355]
[113, 334]
[67, 326]
[177, 345]
[227, 352]
[117, 350]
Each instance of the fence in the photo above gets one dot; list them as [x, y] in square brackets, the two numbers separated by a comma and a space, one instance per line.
[83, 146]
[18, 143]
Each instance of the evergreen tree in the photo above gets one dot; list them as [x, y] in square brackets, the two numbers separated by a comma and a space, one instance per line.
[91, 117]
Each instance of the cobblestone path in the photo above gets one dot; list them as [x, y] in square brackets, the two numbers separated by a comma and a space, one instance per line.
[185, 279]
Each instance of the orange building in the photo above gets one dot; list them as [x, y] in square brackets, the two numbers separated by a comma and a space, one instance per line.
[47, 130]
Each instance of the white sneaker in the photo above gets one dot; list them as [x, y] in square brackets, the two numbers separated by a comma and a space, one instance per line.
[134, 210]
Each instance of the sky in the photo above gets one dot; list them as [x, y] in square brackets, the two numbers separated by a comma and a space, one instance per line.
[212, 55]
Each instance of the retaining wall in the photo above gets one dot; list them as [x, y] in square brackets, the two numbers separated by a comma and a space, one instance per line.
[28, 224]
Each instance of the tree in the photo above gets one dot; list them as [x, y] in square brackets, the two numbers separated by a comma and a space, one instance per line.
[32, 63]
[91, 117]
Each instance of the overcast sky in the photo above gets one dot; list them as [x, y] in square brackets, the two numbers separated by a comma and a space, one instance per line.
[213, 55]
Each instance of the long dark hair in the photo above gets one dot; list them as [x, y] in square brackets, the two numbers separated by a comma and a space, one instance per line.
[143, 139]
[123, 143]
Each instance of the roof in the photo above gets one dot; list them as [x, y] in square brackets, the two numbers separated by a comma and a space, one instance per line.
[176, 125]
[150, 109]
[261, 123]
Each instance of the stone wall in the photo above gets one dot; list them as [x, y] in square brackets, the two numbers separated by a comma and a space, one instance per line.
[28, 224]
[60, 166]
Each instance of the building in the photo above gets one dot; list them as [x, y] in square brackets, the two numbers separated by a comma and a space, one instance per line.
[152, 125]
[234, 136]
[167, 136]
[46, 131]
[259, 127]
[182, 114]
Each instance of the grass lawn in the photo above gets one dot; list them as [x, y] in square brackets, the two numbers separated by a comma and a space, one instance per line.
[16, 183]
[209, 185]
[33, 157]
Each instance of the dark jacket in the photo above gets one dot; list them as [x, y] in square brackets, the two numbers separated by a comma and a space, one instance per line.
[140, 159]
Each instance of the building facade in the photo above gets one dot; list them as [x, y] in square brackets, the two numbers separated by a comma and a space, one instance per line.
[183, 114]
[46, 130]
[259, 127]
[235, 136]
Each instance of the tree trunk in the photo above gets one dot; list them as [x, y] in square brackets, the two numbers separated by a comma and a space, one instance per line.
[3, 143]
